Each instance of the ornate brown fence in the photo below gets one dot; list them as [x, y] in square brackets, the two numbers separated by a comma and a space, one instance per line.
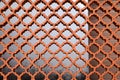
[59, 40]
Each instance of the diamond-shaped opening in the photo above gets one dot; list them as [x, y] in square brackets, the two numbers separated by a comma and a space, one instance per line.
[1, 33]
[67, 76]
[100, 26]
[73, 69]
[113, 26]
[67, 48]
[39, 62]
[2, 4]
[100, 41]
[20, 27]
[80, 34]
[46, 40]
[101, 69]
[117, 34]
[40, 48]
[113, 40]
[12, 48]
[73, 11]
[19, 55]
[60, 69]
[5, 55]
[26, 48]
[80, 63]
[113, 69]
[94, 48]
[25, 77]
[73, 26]
[14, 5]
[53, 48]
[94, 76]
[53, 62]
[20, 12]
[94, 33]
[118, 62]
[19, 40]
[19, 70]
[47, 55]
[60, 55]
[39, 76]
[5, 70]
[107, 48]
[60, 12]
[33, 12]
[100, 12]
[60, 40]
[47, 12]
[41, 19]
[107, 62]
[53, 33]
[11, 77]
[73, 40]
[32, 70]
[100, 55]
[67, 19]
[54, 5]
[118, 76]
[40, 5]
[107, 19]
[25, 63]
[33, 40]
[107, 5]
[94, 62]
[113, 12]
[80, 48]
[108, 76]
[113, 56]
[94, 5]
[27, 5]
[67, 5]
[1, 47]
[27, 20]
[80, 19]
[80, 76]
[47, 27]
[67, 33]
[1, 63]
[32, 56]
[46, 69]
[6, 40]
[66, 62]
[40, 34]
[106, 33]
[94, 19]
[1, 19]
[80, 5]
[73, 55]
[60, 26]
[12, 62]
[117, 5]
[118, 19]
[26, 34]
[14, 20]
[53, 76]
[6, 27]
[13, 33]
[54, 19]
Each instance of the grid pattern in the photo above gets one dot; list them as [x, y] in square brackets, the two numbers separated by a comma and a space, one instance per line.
[59, 40]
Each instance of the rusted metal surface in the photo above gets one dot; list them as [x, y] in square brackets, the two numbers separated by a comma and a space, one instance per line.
[59, 40]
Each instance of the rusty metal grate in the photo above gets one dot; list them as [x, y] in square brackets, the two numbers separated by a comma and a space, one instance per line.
[59, 40]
